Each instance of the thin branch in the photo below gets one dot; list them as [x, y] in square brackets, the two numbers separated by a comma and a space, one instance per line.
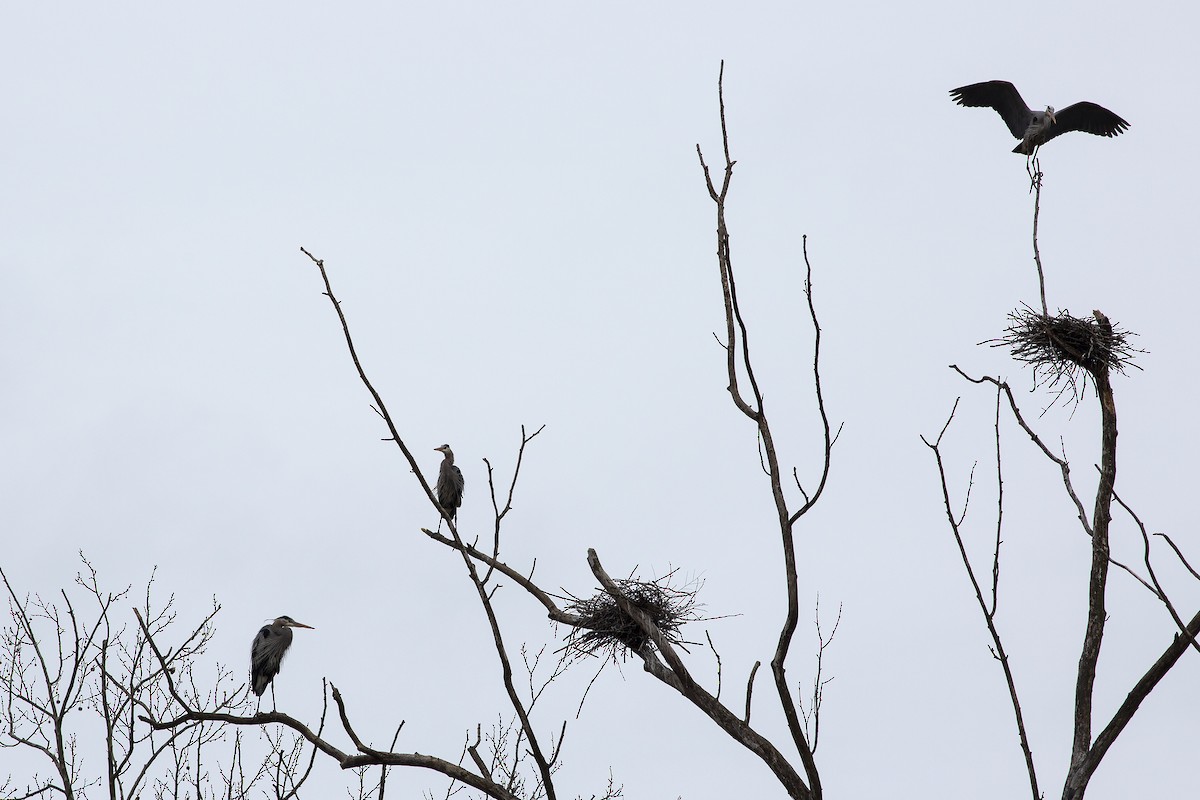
[1063, 466]
[737, 361]
[1035, 177]
[716, 655]
[1179, 554]
[750, 690]
[1162, 593]
[555, 613]
[380, 407]
[988, 614]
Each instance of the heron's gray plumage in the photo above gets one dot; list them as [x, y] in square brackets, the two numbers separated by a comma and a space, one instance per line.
[449, 489]
[267, 651]
[1035, 128]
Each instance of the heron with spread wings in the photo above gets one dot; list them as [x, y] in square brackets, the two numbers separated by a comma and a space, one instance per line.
[1035, 128]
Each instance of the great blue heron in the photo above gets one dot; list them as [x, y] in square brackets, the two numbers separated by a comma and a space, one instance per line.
[266, 654]
[449, 489]
[1035, 128]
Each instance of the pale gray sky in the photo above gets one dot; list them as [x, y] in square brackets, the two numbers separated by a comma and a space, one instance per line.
[508, 199]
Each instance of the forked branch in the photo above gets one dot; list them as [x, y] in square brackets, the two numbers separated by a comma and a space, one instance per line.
[464, 550]
[988, 610]
[675, 674]
[738, 362]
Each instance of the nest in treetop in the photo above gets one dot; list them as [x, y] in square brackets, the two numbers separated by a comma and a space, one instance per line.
[1060, 346]
[605, 630]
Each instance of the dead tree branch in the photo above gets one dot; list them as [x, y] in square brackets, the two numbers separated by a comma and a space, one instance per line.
[675, 674]
[480, 583]
[989, 612]
[738, 362]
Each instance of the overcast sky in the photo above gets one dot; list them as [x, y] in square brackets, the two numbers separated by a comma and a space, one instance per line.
[508, 199]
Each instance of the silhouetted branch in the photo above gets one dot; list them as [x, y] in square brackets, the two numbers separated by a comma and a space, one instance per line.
[555, 613]
[812, 716]
[738, 360]
[466, 551]
[1162, 593]
[380, 407]
[1179, 554]
[1082, 772]
[1063, 466]
[1035, 178]
[750, 690]
[1098, 575]
[989, 614]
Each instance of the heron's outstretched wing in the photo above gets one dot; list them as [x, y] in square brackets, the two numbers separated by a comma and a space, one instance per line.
[1000, 95]
[1089, 118]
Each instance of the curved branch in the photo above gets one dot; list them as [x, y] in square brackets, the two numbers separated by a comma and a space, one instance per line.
[989, 615]
[1063, 466]
[555, 613]
[362, 375]
[373, 758]
[675, 674]
[737, 357]
[1162, 593]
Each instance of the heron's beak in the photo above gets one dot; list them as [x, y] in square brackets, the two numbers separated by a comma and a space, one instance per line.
[302, 625]
[1050, 115]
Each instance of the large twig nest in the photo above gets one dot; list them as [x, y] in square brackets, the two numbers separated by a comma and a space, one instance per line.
[1066, 349]
[605, 630]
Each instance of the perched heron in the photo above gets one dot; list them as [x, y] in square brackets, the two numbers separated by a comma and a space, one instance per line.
[449, 489]
[266, 654]
[1035, 128]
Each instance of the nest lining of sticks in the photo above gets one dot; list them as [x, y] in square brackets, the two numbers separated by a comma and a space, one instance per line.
[607, 631]
[1062, 345]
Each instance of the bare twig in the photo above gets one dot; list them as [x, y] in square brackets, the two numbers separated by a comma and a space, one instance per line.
[1035, 177]
[812, 716]
[989, 614]
[750, 690]
[1162, 593]
[716, 655]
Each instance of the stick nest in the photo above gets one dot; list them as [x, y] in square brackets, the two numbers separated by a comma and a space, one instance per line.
[1064, 349]
[607, 631]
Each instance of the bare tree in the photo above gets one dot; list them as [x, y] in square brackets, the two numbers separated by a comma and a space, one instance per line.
[627, 617]
[79, 673]
[162, 733]
[1066, 353]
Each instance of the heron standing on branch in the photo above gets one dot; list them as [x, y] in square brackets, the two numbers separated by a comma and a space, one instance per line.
[1035, 128]
[449, 489]
[266, 654]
